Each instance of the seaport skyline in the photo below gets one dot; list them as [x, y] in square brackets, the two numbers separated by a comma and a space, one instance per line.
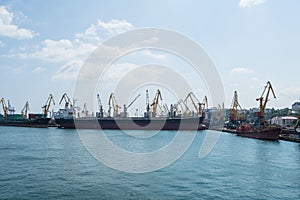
[42, 46]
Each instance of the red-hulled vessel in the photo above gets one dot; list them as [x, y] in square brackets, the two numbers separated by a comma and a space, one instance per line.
[261, 129]
[262, 133]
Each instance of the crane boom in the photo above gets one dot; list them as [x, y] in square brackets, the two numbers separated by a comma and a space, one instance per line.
[112, 102]
[193, 98]
[233, 112]
[5, 108]
[67, 100]
[25, 110]
[263, 101]
[133, 100]
[155, 102]
[46, 107]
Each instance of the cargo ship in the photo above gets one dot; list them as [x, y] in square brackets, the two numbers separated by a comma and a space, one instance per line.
[68, 118]
[262, 133]
[9, 118]
[34, 120]
[260, 129]
[132, 123]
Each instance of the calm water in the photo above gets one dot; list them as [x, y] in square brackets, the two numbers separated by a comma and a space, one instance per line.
[53, 164]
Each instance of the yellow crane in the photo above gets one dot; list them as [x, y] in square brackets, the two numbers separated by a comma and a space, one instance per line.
[46, 107]
[235, 106]
[155, 102]
[68, 102]
[112, 102]
[25, 110]
[264, 100]
[196, 103]
[186, 110]
[5, 108]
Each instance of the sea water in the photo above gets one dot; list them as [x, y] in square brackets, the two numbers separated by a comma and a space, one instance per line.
[54, 164]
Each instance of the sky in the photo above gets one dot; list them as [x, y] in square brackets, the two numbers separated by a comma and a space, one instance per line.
[43, 45]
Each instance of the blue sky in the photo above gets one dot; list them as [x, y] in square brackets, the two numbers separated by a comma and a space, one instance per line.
[43, 44]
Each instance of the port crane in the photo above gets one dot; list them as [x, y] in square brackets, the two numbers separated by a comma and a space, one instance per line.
[234, 110]
[147, 114]
[203, 106]
[112, 102]
[235, 116]
[85, 110]
[11, 109]
[186, 110]
[196, 103]
[68, 102]
[130, 104]
[263, 101]
[100, 106]
[155, 102]
[25, 110]
[46, 107]
[5, 108]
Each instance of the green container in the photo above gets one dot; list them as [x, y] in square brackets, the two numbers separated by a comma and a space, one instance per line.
[14, 116]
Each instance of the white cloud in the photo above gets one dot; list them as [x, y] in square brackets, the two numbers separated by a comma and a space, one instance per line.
[1, 44]
[242, 70]
[154, 55]
[10, 30]
[72, 53]
[115, 26]
[95, 32]
[250, 3]
[63, 50]
[38, 70]
[68, 71]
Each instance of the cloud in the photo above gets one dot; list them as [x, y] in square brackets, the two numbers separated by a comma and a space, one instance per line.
[10, 30]
[62, 50]
[38, 70]
[1, 44]
[250, 3]
[115, 26]
[68, 71]
[154, 55]
[242, 70]
[95, 32]
[71, 53]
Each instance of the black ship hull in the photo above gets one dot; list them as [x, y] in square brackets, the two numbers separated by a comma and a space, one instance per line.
[36, 123]
[134, 123]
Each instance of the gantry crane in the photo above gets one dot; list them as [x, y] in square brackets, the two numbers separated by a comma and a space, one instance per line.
[196, 103]
[263, 101]
[112, 102]
[25, 110]
[68, 102]
[155, 102]
[46, 107]
[5, 108]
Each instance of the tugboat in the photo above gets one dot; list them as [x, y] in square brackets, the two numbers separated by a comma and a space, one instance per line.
[261, 129]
